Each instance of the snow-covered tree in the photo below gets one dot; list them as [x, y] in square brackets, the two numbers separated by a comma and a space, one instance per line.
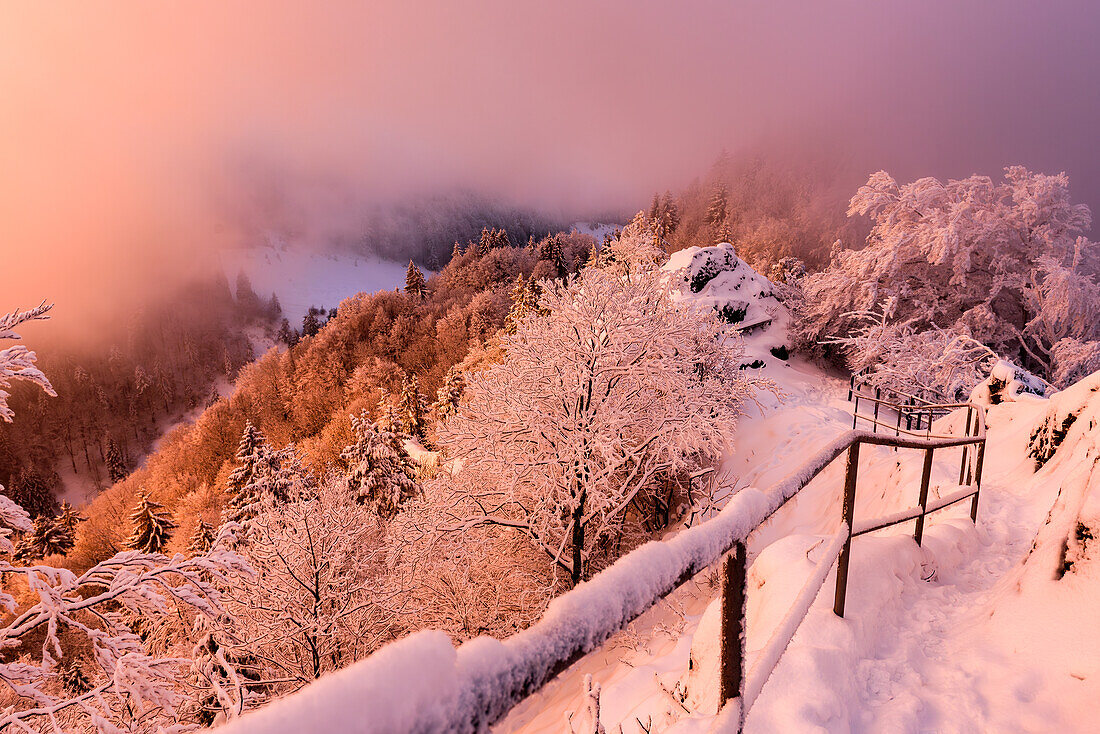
[524, 295]
[414, 281]
[380, 471]
[449, 393]
[202, 539]
[636, 247]
[241, 483]
[716, 209]
[321, 600]
[1003, 264]
[49, 536]
[18, 362]
[152, 526]
[61, 616]
[69, 613]
[619, 385]
[70, 518]
[413, 407]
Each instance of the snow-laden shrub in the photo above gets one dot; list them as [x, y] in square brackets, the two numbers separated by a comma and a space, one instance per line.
[1074, 360]
[999, 263]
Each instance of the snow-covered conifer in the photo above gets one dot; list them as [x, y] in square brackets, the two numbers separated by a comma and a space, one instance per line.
[413, 407]
[380, 472]
[414, 281]
[448, 395]
[152, 526]
[202, 539]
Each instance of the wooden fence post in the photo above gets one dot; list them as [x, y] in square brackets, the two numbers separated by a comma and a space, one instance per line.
[878, 397]
[925, 477]
[977, 482]
[848, 512]
[966, 448]
[731, 674]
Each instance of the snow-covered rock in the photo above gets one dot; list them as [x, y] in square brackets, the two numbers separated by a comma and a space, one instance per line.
[715, 278]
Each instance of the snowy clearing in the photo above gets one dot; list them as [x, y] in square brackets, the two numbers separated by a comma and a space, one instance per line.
[302, 278]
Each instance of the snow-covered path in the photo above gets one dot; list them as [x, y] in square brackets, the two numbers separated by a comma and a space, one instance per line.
[930, 670]
[936, 638]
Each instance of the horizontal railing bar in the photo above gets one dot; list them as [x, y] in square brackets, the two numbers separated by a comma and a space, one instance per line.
[861, 379]
[870, 526]
[768, 658]
[952, 499]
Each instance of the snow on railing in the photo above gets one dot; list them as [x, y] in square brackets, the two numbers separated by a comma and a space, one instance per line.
[422, 683]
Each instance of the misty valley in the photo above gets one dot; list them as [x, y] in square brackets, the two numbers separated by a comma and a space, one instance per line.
[636, 368]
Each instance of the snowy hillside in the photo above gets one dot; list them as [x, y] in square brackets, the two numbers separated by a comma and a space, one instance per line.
[302, 279]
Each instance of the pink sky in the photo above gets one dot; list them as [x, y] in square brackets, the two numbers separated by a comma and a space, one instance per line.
[131, 130]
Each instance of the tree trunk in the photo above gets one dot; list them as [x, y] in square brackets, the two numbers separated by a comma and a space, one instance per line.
[578, 539]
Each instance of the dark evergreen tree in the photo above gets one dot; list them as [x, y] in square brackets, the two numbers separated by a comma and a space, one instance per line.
[286, 335]
[414, 281]
[30, 491]
[74, 680]
[310, 323]
[116, 466]
[274, 308]
[152, 526]
[551, 250]
[247, 300]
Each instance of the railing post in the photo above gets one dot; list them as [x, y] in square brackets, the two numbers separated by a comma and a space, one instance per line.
[962, 465]
[851, 387]
[925, 477]
[731, 674]
[977, 482]
[878, 397]
[909, 415]
[855, 411]
[848, 512]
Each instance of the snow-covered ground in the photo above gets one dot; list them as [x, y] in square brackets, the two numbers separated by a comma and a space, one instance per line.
[302, 278]
[970, 632]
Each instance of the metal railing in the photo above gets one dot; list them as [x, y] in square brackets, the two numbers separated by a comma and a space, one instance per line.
[738, 692]
[917, 412]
